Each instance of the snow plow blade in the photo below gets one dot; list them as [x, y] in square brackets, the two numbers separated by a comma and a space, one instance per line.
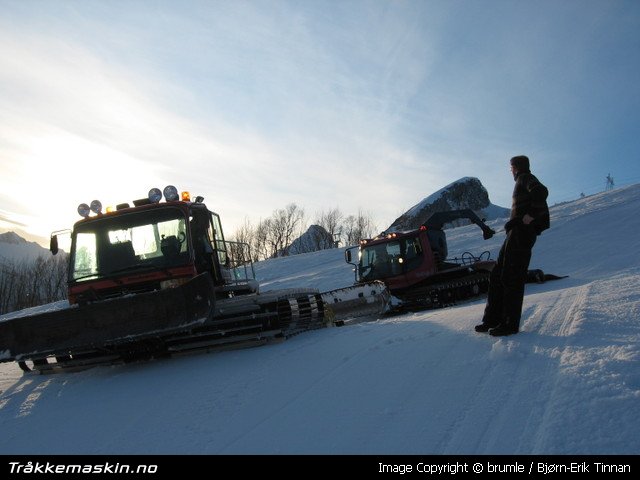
[119, 321]
[156, 324]
[356, 301]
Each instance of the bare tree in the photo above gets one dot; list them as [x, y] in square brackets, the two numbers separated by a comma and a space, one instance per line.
[261, 239]
[349, 230]
[295, 224]
[331, 221]
[56, 287]
[273, 236]
[247, 234]
[7, 287]
[358, 227]
[366, 226]
[32, 283]
[285, 224]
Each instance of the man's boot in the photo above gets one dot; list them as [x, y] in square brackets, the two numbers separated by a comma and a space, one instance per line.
[503, 329]
[484, 327]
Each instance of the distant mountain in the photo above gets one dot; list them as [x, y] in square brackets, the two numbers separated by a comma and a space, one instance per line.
[12, 238]
[314, 239]
[467, 192]
[29, 237]
[15, 249]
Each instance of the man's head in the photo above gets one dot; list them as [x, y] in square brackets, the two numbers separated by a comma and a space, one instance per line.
[519, 164]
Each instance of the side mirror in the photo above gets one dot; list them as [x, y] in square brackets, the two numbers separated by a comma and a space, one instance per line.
[53, 244]
[349, 256]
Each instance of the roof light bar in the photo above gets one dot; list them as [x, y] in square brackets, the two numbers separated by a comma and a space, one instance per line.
[155, 195]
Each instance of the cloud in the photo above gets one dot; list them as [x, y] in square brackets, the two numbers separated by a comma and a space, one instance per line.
[7, 217]
[75, 126]
[280, 112]
[256, 105]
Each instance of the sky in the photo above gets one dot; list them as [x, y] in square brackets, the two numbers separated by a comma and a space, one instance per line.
[360, 105]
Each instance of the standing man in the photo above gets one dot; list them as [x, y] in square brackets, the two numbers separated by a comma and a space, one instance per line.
[529, 217]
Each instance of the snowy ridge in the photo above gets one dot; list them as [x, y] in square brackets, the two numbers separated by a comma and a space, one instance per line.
[434, 197]
[421, 383]
[15, 249]
[12, 238]
[467, 192]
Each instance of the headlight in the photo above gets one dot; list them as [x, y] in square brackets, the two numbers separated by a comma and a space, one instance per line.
[96, 207]
[155, 195]
[170, 193]
[84, 210]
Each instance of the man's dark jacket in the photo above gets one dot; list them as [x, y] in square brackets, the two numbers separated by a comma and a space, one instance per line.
[529, 197]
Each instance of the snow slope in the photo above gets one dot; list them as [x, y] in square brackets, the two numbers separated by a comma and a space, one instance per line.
[422, 383]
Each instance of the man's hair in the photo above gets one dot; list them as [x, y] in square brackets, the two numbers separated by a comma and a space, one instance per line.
[521, 163]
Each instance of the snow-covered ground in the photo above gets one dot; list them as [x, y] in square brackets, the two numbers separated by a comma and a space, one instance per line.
[419, 383]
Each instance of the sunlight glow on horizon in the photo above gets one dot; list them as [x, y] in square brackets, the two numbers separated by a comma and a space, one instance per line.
[359, 105]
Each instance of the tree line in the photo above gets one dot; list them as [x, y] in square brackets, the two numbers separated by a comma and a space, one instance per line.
[31, 283]
[273, 236]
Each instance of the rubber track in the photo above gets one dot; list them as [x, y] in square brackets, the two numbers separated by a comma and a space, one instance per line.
[443, 294]
[281, 316]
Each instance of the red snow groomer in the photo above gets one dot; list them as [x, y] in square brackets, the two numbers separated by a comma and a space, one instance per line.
[415, 266]
[153, 279]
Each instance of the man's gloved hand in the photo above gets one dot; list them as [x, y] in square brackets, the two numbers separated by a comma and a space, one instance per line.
[514, 222]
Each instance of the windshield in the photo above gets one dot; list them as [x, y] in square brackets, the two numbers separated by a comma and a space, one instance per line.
[134, 241]
[388, 259]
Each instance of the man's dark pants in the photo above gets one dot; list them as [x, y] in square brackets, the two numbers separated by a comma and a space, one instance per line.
[506, 283]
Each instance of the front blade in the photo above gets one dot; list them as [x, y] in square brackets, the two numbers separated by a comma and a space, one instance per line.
[121, 320]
